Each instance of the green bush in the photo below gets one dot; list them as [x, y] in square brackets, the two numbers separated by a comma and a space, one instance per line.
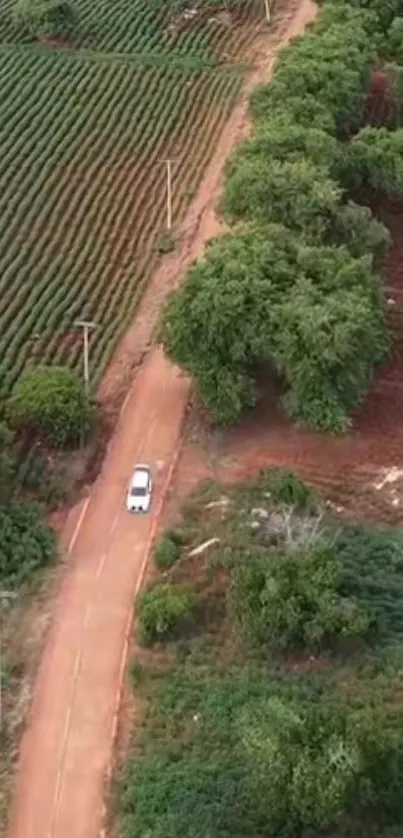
[26, 544]
[162, 609]
[297, 193]
[52, 403]
[265, 756]
[322, 78]
[46, 18]
[315, 313]
[168, 550]
[286, 489]
[375, 159]
[381, 12]
[293, 601]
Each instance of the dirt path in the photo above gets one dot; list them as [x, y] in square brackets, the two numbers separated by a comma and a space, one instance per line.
[67, 749]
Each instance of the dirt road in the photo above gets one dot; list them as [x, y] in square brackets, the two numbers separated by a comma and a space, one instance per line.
[66, 751]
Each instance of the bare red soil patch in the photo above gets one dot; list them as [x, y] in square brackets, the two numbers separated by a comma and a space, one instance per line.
[380, 107]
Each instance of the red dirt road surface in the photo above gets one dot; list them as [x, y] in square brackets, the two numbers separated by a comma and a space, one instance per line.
[67, 746]
[67, 749]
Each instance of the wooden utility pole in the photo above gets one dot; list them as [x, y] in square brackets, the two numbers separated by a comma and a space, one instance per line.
[5, 597]
[168, 164]
[86, 325]
[268, 6]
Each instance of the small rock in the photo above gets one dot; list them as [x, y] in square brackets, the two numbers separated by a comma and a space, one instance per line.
[257, 512]
[221, 502]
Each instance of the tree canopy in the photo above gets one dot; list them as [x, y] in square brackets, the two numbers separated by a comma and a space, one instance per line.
[52, 403]
[313, 312]
[295, 284]
[46, 18]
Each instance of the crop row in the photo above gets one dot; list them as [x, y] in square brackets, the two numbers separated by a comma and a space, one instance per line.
[128, 26]
[82, 191]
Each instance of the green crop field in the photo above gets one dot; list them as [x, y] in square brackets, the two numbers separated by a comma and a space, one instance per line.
[83, 130]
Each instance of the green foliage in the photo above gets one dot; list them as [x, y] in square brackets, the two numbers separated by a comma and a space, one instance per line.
[51, 402]
[245, 753]
[236, 284]
[375, 159]
[292, 601]
[286, 489]
[311, 307]
[297, 193]
[162, 609]
[316, 313]
[372, 570]
[168, 550]
[7, 464]
[165, 243]
[328, 71]
[356, 228]
[46, 18]
[26, 544]
[288, 140]
[327, 346]
[237, 743]
[394, 42]
[379, 12]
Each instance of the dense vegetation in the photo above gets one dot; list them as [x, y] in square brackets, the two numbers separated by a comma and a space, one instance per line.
[26, 543]
[45, 18]
[305, 295]
[275, 710]
[82, 187]
[52, 403]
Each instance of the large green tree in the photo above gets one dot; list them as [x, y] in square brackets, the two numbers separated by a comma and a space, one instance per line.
[374, 158]
[316, 313]
[297, 193]
[51, 402]
[325, 72]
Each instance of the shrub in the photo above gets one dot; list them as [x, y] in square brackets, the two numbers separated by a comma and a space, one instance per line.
[162, 609]
[327, 71]
[375, 159]
[293, 601]
[165, 243]
[46, 18]
[297, 193]
[26, 544]
[168, 550]
[51, 402]
[267, 757]
[288, 140]
[286, 489]
[381, 12]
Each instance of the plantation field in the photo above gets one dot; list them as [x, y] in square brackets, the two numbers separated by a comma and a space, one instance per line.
[82, 186]
[201, 29]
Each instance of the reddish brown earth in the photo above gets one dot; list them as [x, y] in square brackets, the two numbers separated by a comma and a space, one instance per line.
[67, 748]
